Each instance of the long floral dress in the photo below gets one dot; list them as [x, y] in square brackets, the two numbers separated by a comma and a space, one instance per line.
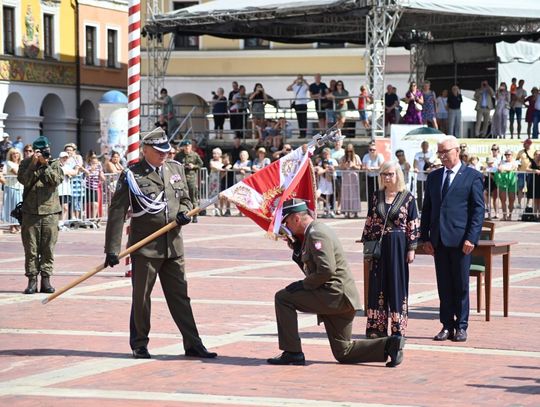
[389, 276]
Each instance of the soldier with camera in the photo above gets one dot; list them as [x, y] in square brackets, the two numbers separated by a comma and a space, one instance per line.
[41, 209]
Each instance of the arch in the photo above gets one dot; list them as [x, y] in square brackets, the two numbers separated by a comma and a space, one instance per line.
[52, 107]
[183, 103]
[89, 126]
[14, 105]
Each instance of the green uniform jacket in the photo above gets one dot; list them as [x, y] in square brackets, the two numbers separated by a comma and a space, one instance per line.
[191, 158]
[326, 269]
[43, 198]
[170, 244]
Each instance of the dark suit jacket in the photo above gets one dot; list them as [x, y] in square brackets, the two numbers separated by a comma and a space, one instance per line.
[460, 215]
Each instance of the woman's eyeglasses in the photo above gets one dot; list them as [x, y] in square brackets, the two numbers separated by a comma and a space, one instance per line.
[388, 174]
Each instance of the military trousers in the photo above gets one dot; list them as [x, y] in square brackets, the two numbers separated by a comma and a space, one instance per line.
[193, 190]
[39, 234]
[337, 322]
[172, 277]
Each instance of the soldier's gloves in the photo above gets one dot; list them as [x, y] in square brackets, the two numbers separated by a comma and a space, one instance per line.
[294, 287]
[111, 259]
[182, 218]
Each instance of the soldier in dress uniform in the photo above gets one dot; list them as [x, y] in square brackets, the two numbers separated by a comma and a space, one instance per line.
[192, 164]
[327, 290]
[156, 190]
[41, 209]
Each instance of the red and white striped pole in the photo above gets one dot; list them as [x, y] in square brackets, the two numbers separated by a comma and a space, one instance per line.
[134, 91]
[134, 79]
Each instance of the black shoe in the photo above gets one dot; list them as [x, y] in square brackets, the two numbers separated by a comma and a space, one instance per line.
[194, 220]
[32, 286]
[46, 286]
[394, 349]
[444, 335]
[200, 351]
[288, 358]
[141, 353]
[461, 335]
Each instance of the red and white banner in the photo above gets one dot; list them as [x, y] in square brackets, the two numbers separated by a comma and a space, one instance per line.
[261, 195]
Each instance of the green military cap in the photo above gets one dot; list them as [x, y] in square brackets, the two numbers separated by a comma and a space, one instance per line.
[40, 143]
[157, 139]
[185, 142]
[293, 205]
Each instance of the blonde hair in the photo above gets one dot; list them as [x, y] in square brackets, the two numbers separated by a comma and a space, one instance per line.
[11, 151]
[399, 175]
[218, 151]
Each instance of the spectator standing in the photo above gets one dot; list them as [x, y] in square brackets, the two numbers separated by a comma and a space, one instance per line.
[536, 117]
[495, 154]
[484, 105]
[242, 167]
[18, 144]
[75, 163]
[237, 147]
[451, 223]
[530, 102]
[429, 107]
[40, 176]
[64, 189]
[442, 111]
[405, 168]
[215, 165]
[524, 165]
[391, 106]
[533, 184]
[5, 145]
[192, 164]
[389, 275]
[28, 151]
[421, 163]
[350, 165]
[238, 112]
[318, 91]
[415, 101]
[454, 112]
[94, 178]
[113, 165]
[234, 91]
[506, 181]
[371, 162]
[300, 87]
[167, 110]
[363, 99]
[490, 188]
[500, 116]
[258, 99]
[516, 108]
[219, 111]
[13, 189]
[287, 148]
[340, 97]
[326, 172]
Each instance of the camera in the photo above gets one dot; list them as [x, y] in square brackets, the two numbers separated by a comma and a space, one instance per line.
[213, 93]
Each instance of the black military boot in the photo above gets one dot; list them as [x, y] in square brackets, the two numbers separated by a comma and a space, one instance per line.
[194, 219]
[46, 286]
[32, 286]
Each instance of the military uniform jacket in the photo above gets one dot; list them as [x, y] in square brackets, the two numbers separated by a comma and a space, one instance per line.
[325, 267]
[191, 158]
[43, 198]
[176, 194]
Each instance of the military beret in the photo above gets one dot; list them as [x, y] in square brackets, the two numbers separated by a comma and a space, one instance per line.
[185, 142]
[40, 143]
[157, 139]
[294, 205]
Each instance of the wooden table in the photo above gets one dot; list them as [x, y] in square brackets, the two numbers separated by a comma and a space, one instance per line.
[486, 249]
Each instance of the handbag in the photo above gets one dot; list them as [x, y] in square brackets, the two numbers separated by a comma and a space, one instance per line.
[17, 212]
[372, 248]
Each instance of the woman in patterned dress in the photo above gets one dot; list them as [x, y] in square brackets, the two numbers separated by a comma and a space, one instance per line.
[429, 109]
[414, 100]
[389, 275]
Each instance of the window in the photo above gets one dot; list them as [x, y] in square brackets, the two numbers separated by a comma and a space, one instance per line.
[256, 43]
[112, 44]
[9, 30]
[48, 35]
[184, 42]
[90, 45]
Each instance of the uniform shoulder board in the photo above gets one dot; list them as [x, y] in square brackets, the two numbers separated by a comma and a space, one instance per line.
[174, 162]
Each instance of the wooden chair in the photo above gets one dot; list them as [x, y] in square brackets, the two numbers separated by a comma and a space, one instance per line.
[478, 266]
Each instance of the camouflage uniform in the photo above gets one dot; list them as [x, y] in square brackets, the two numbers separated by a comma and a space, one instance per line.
[41, 209]
[191, 173]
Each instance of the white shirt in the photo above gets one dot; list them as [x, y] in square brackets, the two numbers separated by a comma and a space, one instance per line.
[300, 92]
[420, 160]
[455, 170]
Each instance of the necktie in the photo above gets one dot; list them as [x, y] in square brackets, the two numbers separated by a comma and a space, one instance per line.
[158, 172]
[446, 183]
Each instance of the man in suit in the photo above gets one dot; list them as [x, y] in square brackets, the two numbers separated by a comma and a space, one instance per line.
[157, 192]
[484, 105]
[452, 218]
[328, 290]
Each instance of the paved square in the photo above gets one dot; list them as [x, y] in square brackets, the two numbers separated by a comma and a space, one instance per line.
[75, 350]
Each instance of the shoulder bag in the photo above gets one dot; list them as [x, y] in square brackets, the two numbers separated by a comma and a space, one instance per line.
[372, 248]
[17, 212]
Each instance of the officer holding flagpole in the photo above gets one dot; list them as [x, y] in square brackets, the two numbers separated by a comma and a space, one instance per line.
[157, 192]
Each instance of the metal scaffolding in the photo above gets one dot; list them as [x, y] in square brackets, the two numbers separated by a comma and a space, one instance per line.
[381, 23]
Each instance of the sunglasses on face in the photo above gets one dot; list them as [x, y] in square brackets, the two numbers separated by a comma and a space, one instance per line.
[494, 149]
[372, 150]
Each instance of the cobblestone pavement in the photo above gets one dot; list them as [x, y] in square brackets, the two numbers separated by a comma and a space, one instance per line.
[75, 351]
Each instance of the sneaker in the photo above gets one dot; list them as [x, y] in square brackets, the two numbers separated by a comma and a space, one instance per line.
[332, 214]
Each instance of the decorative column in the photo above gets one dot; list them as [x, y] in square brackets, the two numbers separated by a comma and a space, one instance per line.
[134, 80]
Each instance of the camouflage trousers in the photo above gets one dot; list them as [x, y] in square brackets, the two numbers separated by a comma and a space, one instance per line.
[193, 191]
[39, 234]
